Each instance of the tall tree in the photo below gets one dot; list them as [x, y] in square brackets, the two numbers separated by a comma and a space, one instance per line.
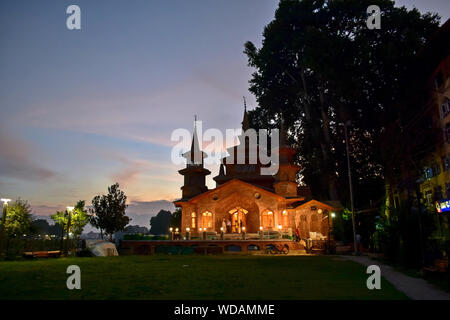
[108, 211]
[320, 66]
[79, 218]
[160, 223]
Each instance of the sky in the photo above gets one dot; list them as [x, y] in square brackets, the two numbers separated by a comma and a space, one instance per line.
[83, 109]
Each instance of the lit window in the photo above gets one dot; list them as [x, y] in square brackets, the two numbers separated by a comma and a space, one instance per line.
[267, 219]
[445, 108]
[285, 219]
[207, 220]
[193, 220]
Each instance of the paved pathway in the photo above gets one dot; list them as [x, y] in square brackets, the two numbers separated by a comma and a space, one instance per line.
[414, 288]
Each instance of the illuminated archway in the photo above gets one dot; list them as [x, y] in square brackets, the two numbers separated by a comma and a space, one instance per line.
[238, 217]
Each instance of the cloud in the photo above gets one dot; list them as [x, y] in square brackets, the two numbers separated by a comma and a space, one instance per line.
[17, 160]
[44, 210]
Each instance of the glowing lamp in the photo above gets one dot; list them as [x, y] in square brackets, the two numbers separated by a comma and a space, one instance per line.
[188, 229]
[221, 228]
[176, 229]
[70, 209]
[319, 211]
[170, 229]
[279, 226]
[5, 201]
[260, 228]
[333, 215]
[243, 228]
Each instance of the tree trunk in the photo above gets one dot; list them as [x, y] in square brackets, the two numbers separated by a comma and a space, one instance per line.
[332, 189]
[325, 141]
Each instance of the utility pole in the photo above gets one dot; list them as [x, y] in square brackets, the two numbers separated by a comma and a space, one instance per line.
[351, 187]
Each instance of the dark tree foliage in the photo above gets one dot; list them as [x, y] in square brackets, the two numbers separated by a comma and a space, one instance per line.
[42, 227]
[108, 211]
[176, 219]
[160, 223]
[320, 66]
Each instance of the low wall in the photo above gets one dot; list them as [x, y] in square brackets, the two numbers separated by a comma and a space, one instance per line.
[146, 247]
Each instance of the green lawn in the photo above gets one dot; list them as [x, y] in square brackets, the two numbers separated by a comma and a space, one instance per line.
[192, 277]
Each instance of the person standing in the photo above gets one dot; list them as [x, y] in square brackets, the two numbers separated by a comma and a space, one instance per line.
[224, 225]
[228, 226]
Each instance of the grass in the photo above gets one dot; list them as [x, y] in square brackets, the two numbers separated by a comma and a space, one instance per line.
[192, 277]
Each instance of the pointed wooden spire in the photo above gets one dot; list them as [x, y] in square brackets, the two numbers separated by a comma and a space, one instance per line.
[245, 122]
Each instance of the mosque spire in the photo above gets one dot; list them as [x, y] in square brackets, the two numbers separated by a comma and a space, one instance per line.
[245, 122]
[195, 156]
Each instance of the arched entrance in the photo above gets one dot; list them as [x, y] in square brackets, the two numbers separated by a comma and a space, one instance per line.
[238, 218]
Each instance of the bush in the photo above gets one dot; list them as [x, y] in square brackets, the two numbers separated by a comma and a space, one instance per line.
[144, 237]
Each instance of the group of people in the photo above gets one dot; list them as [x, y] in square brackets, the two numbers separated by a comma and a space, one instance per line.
[227, 225]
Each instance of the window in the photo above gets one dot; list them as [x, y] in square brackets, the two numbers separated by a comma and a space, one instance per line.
[285, 219]
[447, 132]
[267, 219]
[446, 163]
[432, 171]
[207, 220]
[193, 224]
[428, 173]
[445, 108]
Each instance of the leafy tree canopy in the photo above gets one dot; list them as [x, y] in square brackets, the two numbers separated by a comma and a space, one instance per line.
[18, 219]
[109, 211]
[320, 66]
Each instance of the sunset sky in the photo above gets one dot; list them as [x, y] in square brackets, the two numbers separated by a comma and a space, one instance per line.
[82, 109]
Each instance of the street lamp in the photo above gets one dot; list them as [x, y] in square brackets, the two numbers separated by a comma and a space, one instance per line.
[350, 186]
[243, 233]
[333, 215]
[2, 234]
[279, 228]
[187, 233]
[69, 222]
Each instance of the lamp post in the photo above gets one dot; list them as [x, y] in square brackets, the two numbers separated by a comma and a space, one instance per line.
[221, 233]
[187, 233]
[177, 235]
[204, 233]
[243, 233]
[3, 229]
[279, 228]
[261, 233]
[332, 214]
[355, 251]
[69, 222]
[171, 233]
